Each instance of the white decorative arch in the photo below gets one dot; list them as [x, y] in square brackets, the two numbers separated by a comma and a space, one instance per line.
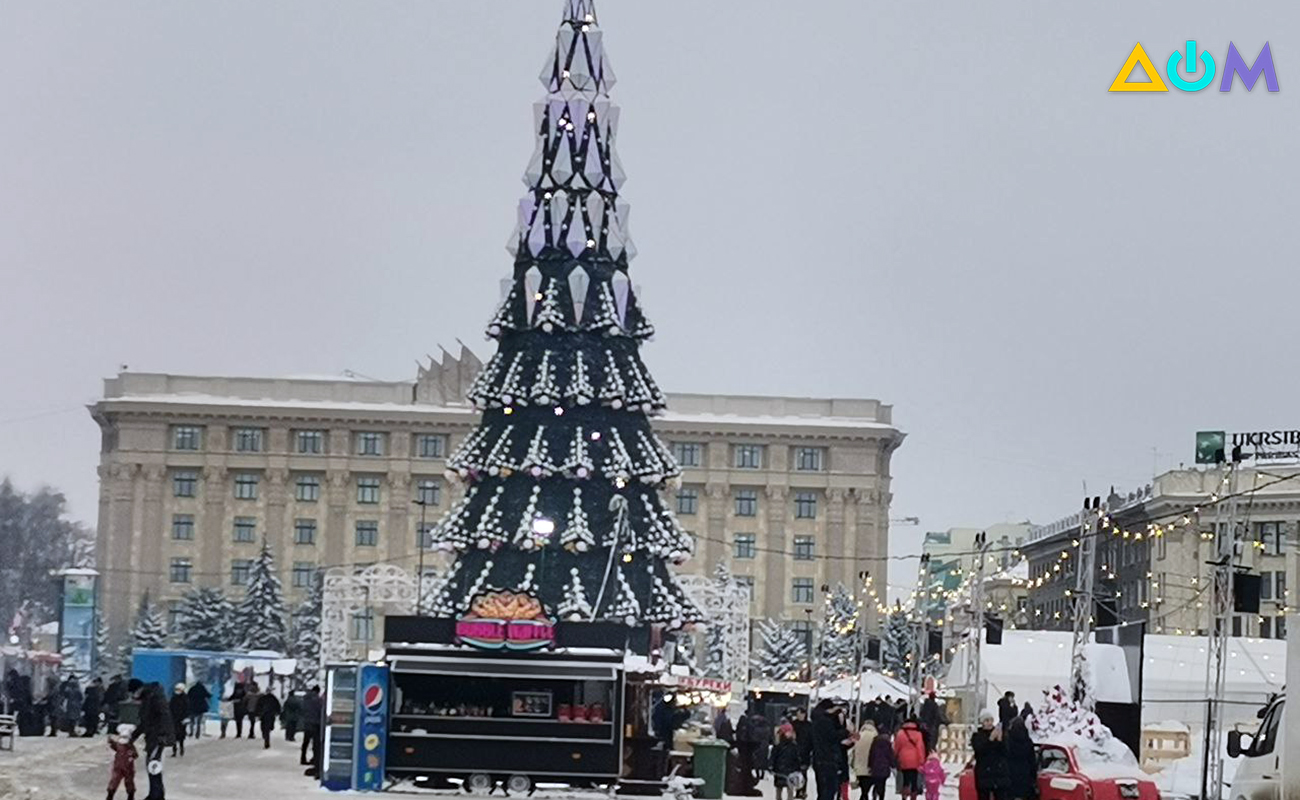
[385, 588]
[726, 605]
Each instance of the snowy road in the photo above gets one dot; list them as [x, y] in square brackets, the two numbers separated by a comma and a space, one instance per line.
[212, 769]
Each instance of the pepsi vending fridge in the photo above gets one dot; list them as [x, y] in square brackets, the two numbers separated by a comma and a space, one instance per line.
[356, 727]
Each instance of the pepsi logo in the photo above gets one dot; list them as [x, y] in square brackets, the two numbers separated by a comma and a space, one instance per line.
[374, 697]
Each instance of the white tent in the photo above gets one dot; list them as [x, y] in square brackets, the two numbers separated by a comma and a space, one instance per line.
[1029, 662]
[873, 685]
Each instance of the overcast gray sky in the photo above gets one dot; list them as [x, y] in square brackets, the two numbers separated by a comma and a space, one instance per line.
[937, 204]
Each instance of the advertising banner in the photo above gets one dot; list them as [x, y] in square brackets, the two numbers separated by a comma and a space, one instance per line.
[372, 728]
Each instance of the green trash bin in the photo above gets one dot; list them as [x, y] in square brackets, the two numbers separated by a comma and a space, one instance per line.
[710, 763]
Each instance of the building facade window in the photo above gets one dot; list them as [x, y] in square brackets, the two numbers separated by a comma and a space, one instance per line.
[805, 505]
[1279, 585]
[240, 569]
[1266, 586]
[174, 616]
[309, 443]
[422, 540]
[185, 484]
[187, 437]
[1279, 627]
[1237, 624]
[746, 503]
[368, 491]
[248, 440]
[688, 454]
[245, 486]
[180, 570]
[304, 531]
[1265, 628]
[745, 545]
[370, 443]
[367, 533]
[801, 590]
[803, 548]
[428, 492]
[183, 527]
[748, 456]
[430, 445]
[363, 626]
[809, 459]
[303, 571]
[306, 489]
[688, 501]
[245, 529]
[1270, 535]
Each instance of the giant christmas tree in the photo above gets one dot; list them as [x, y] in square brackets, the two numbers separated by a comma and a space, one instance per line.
[562, 474]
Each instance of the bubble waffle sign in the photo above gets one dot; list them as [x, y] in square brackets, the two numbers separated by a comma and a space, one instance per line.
[506, 620]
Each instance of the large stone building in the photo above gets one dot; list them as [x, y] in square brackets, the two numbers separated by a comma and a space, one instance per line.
[793, 493]
[1154, 554]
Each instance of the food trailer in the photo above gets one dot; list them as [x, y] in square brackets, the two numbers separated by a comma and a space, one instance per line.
[503, 697]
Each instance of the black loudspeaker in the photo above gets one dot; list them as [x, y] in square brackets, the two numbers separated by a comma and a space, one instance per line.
[873, 648]
[1245, 593]
[935, 645]
[992, 630]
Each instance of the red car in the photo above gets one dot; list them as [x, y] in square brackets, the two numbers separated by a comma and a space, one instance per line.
[1061, 777]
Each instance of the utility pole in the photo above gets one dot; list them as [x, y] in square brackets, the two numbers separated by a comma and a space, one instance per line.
[922, 642]
[860, 647]
[1228, 541]
[1085, 573]
[973, 677]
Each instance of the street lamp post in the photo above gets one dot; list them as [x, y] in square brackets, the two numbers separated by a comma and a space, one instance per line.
[419, 578]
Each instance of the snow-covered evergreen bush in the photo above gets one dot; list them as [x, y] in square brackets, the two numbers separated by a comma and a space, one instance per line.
[837, 654]
[781, 653]
[204, 620]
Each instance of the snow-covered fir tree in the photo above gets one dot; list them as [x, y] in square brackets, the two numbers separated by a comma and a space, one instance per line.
[204, 621]
[147, 633]
[307, 632]
[896, 644]
[782, 653]
[837, 651]
[261, 615]
[563, 472]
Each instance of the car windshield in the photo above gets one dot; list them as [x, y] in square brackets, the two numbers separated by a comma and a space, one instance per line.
[1053, 759]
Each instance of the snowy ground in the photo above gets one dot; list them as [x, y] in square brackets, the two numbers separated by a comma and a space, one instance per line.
[212, 769]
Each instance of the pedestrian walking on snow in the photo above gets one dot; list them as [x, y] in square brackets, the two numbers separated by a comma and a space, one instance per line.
[250, 707]
[179, 707]
[267, 709]
[124, 756]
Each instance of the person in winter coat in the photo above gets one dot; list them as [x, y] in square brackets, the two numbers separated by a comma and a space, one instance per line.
[803, 740]
[179, 707]
[722, 728]
[114, 694]
[933, 776]
[785, 761]
[291, 719]
[860, 757]
[238, 700]
[311, 713]
[1007, 710]
[745, 745]
[991, 771]
[124, 756]
[267, 709]
[1022, 762]
[157, 729]
[251, 696]
[830, 738]
[885, 714]
[70, 700]
[760, 733]
[880, 764]
[200, 705]
[910, 750]
[932, 717]
[90, 706]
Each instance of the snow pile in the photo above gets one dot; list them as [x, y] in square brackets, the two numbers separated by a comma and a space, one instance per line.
[1060, 720]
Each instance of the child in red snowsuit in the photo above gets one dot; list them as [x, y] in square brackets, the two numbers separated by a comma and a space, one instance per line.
[124, 756]
[933, 774]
